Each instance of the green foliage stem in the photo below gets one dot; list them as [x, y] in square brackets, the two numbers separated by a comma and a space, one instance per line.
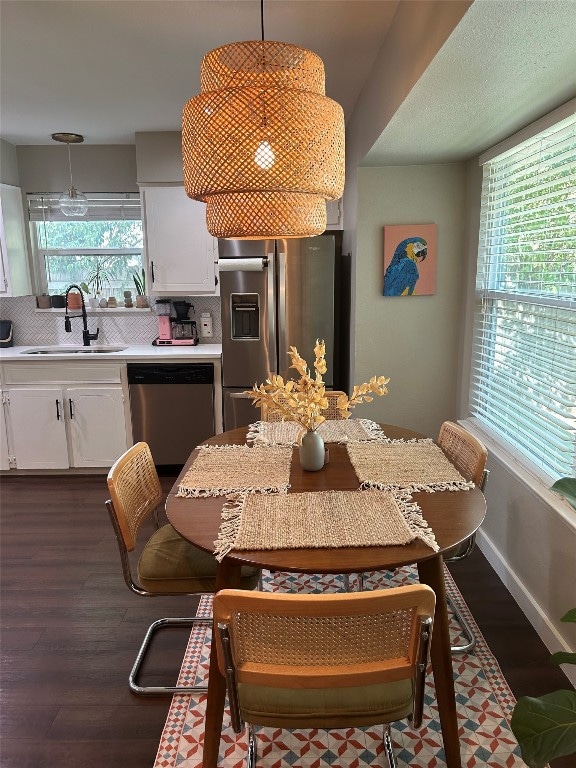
[566, 487]
[140, 283]
[546, 727]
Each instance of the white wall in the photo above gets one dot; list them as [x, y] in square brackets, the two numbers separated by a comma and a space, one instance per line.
[100, 168]
[159, 157]
[418, 31]
[413, 340]
[8, 164]
[529, 536]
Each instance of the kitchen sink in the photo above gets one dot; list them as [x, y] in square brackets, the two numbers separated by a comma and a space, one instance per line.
[67, 350]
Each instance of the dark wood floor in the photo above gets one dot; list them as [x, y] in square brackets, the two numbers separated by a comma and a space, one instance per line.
[71, 628]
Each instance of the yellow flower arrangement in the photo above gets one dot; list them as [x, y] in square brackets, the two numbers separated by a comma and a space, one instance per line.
[304, 400]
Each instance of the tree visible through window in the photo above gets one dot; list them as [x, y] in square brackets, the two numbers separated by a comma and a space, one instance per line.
[101, 252]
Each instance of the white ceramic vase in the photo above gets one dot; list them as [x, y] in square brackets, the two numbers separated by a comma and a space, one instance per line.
[312, 452]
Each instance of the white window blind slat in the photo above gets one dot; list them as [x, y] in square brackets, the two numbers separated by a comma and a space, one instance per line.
[523, 383]
[101, 207]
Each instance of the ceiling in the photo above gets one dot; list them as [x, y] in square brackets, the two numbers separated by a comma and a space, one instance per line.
[110, 69]
[507, 63]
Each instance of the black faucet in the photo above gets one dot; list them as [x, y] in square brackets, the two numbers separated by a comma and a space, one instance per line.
[87, 337]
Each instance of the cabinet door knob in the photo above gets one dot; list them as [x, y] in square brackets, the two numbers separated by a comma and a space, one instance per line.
[71, 407]
[58, 409]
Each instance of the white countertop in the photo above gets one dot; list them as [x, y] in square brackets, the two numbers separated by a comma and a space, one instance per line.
[132, 353]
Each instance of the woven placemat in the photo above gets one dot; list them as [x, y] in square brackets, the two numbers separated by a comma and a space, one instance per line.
[415, 465]
[325, 519]
[222, 469]
[331, 431]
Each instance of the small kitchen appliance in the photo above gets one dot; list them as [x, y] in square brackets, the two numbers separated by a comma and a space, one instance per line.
[6, 338]
[178, 331]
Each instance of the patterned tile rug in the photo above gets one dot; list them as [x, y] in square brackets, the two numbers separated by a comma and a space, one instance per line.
[483, 698]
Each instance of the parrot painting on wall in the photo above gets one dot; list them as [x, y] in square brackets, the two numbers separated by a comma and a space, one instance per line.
[402, 273]
[409, 259]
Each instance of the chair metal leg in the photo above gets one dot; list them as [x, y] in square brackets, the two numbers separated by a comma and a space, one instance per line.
[359, 588]
[252, 755]
[466, 630]
[388, 751]
[163, 689]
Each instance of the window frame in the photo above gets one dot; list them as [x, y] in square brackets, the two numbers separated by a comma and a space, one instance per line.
[484, 288]
[95, 200]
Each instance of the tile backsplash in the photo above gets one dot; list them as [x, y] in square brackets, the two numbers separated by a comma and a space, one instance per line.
[121, 326]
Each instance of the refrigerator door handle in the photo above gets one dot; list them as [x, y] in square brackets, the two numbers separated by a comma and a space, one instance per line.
[282, 348]
[272, 359]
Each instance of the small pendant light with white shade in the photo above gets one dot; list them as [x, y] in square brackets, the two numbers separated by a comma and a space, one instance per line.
[72, 202]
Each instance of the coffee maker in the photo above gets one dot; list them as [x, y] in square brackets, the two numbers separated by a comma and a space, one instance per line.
[176, 330]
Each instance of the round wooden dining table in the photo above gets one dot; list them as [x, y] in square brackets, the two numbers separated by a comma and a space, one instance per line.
[453, 516]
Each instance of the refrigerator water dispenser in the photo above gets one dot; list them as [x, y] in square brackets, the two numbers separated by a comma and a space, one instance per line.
[245, 315]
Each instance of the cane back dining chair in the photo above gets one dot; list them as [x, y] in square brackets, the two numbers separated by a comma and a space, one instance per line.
[469, 457]
[324, 661]
[331, 412]
[168, 564]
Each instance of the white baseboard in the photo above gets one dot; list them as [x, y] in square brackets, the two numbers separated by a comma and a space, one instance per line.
[545, 629]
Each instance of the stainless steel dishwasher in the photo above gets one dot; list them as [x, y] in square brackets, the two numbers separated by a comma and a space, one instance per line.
[172, 407]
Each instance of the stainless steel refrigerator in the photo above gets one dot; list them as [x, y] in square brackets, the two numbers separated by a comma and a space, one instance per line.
[276, 294]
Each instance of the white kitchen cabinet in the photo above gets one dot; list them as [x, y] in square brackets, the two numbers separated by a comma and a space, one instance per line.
[334, 218]
[37, 428]
[62, 427]
[180, 251]
[14, 264]
[4, 452]
[65, 415]
[96, 424]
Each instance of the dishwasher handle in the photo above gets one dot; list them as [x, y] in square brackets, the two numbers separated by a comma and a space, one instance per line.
[170, 373]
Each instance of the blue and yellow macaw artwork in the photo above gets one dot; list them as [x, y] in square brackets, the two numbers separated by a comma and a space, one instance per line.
[402, 274]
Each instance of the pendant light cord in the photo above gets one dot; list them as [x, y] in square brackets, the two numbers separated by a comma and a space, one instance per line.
[70, 164]
[262, 18]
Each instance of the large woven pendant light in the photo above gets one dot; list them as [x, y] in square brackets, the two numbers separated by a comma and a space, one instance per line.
[262, 145]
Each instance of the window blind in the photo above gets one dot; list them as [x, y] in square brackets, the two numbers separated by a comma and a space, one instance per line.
[523, 385]
[101, 207]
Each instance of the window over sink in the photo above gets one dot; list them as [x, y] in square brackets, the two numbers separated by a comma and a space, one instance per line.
[101, 251]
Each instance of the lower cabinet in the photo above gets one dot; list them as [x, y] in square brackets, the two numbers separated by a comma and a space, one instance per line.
[37, 429]
[55, 427]
[4, 451]
[96, 427]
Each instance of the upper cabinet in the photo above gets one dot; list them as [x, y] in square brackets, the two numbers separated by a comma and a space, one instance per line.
[334, 214]
[181, 253]
[14, 266]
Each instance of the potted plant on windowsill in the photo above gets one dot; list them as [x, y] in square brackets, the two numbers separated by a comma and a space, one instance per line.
[100, 276]
[140, 285]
